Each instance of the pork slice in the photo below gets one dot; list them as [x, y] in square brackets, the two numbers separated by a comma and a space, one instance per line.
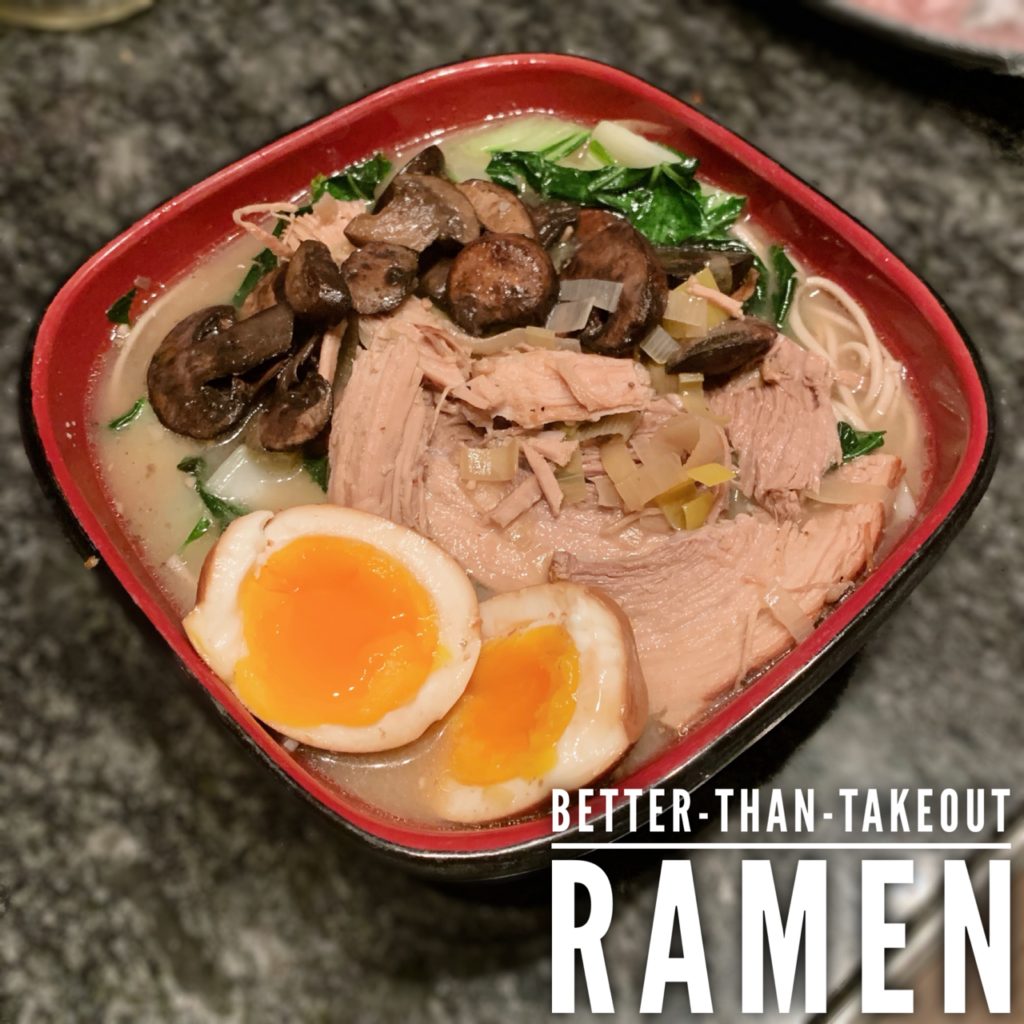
[880, 469]
[444, 350]
[379, 435]
[697, 605]
[782, 427]
[458, 518]
[541, 386]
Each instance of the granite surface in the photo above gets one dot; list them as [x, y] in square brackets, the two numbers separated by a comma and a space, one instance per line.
[148, 869]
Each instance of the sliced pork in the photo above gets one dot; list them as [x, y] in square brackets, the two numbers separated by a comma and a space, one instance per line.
[781, 424]
[697, 601]
[503, 534]
[541, 386]
[443, 350]
[379, 434]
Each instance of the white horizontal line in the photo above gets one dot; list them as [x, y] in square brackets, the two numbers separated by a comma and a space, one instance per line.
[780, 846]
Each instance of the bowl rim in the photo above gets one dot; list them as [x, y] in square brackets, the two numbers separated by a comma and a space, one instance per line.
[739, 722]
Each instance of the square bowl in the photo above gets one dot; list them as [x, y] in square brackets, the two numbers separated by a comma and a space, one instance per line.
[953, 394]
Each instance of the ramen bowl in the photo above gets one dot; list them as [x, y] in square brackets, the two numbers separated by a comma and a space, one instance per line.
[952, 390]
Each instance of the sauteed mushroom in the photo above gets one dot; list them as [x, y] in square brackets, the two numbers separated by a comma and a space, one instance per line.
[314, 286]
[379, 276]
[301, 404]
[611, 249]
[728, 266]
[497, 208]
[501, 281]
[434, 282]
[199, 378]
[423, 209]
[426, 161]
[551, 218]
[726, 348]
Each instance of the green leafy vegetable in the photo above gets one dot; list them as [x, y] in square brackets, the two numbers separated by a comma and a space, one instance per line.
[665, 203]
[757, 304]
[319, 470]
[120, 310]
[262, 264]
[198, 530]
[783, 285]
[359, 181]
[127, 417]
[222, 511]
[568, 145]
[775, 288]
[721, 210]
[858, 442]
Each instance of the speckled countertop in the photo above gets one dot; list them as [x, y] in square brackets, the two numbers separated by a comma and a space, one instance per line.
[148, 870]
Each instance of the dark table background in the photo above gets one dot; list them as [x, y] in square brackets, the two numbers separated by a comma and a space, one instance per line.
[148, 870]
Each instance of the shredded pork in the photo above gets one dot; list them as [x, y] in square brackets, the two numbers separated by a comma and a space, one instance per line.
[379, 435]
[781, 424]
[539, 386]
[444, 350]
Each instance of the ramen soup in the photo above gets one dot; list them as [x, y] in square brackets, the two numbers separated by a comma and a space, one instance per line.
[494, 466]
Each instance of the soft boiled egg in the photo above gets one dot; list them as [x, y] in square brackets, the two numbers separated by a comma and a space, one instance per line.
[336, 627]
[557, 697]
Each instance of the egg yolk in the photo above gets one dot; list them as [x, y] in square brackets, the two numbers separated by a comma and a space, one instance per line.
[518, 703]
[338, 632]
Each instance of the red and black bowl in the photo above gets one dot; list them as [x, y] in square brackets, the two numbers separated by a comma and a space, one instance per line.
[953, 393]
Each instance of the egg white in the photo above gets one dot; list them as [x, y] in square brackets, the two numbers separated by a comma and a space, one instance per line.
[216, 629]
[611, 698]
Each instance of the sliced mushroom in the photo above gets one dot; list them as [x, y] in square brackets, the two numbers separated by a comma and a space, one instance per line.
[729, 266]
[314, 286]
[551, 218]
[426, 161]
[726, 348]
[497, 208]
[423, 209]
[501, 281]
[379, 276]
[300, 406]
[200, 378]
[434, 282]
[611, 249]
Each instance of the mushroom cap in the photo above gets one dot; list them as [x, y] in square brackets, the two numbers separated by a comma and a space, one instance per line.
[426, 161]
[501, 281]
[314, 286]
[726, 348]
[379, 276]
[211, 346]
[729, 266]
[433, 282]
[300, 406]
[423, 209]
[551, 218]
[611, 249]
[497, 208]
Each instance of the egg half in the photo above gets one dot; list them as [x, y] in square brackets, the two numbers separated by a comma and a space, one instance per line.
[557, 697]
[336, 627]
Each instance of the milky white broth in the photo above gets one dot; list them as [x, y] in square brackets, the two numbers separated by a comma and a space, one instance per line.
[159, 506]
